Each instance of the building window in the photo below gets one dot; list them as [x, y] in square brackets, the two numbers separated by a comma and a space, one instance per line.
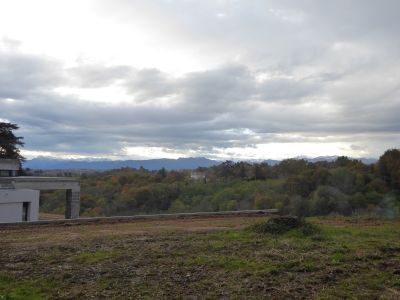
[25, 211]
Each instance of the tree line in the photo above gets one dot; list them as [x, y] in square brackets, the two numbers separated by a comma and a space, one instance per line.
[294, 186]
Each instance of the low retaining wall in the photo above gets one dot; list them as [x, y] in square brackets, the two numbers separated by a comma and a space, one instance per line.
[127, 219]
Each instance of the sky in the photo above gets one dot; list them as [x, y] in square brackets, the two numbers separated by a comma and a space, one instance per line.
[223, 79]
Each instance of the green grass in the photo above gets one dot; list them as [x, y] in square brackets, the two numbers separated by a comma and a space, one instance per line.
[374, 285]
[11, 288]
[232, 236]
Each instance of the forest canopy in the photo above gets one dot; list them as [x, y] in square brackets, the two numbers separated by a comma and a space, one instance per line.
[294, 186]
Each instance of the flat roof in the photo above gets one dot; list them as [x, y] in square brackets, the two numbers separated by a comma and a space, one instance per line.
[43, 178]
[40, 183]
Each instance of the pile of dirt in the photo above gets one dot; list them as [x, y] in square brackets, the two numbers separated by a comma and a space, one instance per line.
[282, 224]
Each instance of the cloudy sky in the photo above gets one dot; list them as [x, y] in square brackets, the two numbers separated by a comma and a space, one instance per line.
[223, 79]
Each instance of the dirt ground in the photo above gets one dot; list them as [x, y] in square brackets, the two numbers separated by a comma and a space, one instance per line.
[19, 237]
[49, 216]
[200, 258]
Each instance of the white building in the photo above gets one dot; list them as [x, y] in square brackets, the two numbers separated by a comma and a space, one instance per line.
[19, 196]
[19, 205]
[197, 175]
[16, 205]
[9, 167]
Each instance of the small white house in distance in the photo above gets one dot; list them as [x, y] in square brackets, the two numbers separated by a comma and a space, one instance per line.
[197, 175]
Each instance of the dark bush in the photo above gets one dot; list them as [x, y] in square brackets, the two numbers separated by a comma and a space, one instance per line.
[283, 224]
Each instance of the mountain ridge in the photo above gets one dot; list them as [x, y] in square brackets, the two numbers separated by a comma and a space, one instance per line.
[46, 163]
[49, 163]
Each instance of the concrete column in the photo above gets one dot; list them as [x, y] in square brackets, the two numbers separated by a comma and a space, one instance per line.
[72, 205]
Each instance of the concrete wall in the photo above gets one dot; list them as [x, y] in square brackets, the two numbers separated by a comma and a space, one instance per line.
[10, 212]
[71, 185]
[9, 164]
[11, 203]
[72, 204]
[45, 183]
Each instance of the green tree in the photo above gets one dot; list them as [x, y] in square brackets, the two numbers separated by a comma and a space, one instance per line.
[328, 199]
[9, 143]
[389, 168]
[290, 167]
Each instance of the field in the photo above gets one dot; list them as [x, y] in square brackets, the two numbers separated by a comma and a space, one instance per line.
[201, 258]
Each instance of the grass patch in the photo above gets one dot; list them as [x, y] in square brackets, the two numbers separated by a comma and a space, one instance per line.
[12, 288]
[307, 265]
[231, 236]
[376, 285]
[338, 258]
[231, 263]
[89, 258]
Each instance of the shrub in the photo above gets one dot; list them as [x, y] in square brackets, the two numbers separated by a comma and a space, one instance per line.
[283, 224]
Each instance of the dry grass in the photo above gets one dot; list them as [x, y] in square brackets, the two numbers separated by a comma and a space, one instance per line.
[49, 216]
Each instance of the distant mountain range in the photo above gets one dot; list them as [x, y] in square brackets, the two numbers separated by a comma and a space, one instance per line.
[48, 163]
[364, 160]
[273, 162]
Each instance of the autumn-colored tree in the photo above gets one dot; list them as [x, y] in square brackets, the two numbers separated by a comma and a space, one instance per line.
[293, 186]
